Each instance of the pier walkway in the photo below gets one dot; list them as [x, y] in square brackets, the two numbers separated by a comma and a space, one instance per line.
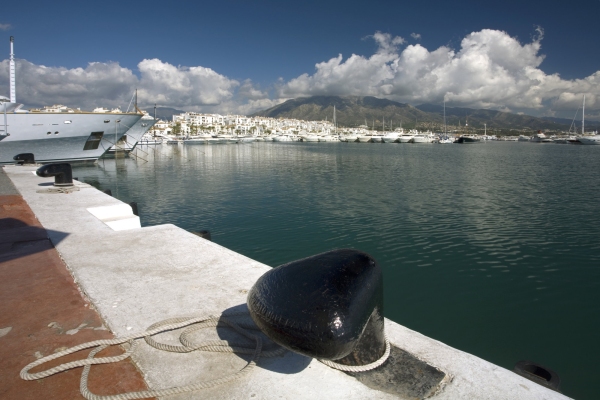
[73, 263]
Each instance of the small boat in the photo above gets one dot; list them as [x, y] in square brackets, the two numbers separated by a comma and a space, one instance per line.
[540, 137]
[468, 139]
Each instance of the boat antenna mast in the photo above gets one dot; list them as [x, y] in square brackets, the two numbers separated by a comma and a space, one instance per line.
[583, 117]
[13, 96]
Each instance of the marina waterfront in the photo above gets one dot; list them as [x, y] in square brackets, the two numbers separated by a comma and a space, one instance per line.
[491, 248]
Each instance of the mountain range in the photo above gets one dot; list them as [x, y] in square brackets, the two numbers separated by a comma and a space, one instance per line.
[353, 111]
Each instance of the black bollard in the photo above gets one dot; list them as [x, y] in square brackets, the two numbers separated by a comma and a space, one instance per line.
[134, 208]
[203, 234]
[538, 374]
[108, 192]
[328, 306]
[61, 172]
[24, 158]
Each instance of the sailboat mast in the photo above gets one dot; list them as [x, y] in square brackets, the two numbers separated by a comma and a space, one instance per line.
[445, 131]
[334, 121]
[13, 96]
[583, 117]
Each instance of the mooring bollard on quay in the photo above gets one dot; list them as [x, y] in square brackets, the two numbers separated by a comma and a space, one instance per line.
[138, 276]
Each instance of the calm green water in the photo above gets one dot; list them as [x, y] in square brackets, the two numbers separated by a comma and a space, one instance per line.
[491, 248]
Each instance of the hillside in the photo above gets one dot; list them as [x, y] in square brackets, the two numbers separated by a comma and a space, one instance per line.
[350, 111]
[354, 110]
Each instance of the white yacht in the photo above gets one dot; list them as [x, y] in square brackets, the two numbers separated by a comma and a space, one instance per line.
[390, 137]
[540, 137]
[309, 138]
[57, 133]
[406, 137]
[60, 136]
[365, 138]
[282, 138]
[329, 138]
[377, 138]
[421, 138]
[583, 139]
[130, 139]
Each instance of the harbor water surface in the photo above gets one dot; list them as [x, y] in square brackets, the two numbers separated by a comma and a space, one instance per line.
[490, 248]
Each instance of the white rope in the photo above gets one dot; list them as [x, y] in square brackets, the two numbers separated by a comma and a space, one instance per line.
[361, 368]
[193, 324]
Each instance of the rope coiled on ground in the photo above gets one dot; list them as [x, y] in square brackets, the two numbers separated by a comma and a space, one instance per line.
[192, 324]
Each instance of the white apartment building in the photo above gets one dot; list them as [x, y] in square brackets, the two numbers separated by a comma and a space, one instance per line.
[191, 122]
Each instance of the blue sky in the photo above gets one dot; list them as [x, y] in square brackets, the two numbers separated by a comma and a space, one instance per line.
[239, 56]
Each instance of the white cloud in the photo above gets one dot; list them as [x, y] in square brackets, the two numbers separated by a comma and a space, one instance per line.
[490, 70]
[191, 87]
[416, 36]
[5, 27]
[99, 84]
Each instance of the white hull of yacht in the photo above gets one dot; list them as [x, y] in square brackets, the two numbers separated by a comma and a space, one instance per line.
[131, 138]
[420, 139]
[68, 137]
[583, 139]
[390, 138]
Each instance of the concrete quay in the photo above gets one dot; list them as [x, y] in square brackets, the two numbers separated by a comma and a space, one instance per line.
[133, 277]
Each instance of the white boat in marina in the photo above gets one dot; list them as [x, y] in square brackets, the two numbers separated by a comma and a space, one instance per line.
[592, 139]
[57, 133]
[365, 138]
[282, 138]
[444, 138]
[349, 138]
[523, 138]
[309, 138]
[150, 141]
[538, 137]
[421, 138]
[583, 139]
[329, 138]
[406, 137]
[131, 138]
[390, 137]
[247, 139]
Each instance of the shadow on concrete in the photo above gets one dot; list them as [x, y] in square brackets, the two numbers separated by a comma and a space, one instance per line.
[288, 363]
[18, 239]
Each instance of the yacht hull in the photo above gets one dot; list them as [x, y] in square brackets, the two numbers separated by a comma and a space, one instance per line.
[130, 139]
[54, 137]
[589, 140]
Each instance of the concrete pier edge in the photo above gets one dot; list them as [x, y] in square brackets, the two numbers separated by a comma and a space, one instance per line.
[136, 276]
